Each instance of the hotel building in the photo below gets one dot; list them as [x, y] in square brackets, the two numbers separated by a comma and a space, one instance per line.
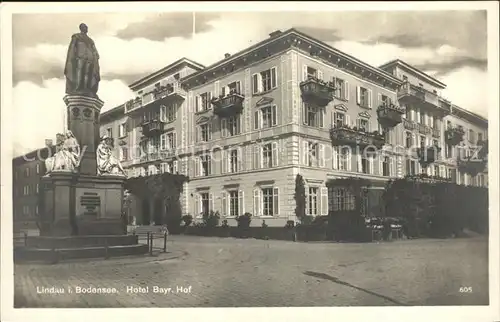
[244, 127]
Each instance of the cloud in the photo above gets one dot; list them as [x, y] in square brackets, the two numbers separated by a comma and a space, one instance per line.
[442, 69]
[41, 109]
[160, 26]
[467, 88]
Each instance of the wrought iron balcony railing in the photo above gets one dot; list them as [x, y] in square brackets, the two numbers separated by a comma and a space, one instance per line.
[389, 114]
[228, 105]
[355, 137]
[317, 91]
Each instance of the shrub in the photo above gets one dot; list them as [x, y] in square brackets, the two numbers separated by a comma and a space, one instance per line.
[244, 220]
[225, 224]
[187, 219]
[264, 225]
[300, 198]
[211, 219]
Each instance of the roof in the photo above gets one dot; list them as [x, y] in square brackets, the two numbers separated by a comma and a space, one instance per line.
[115, 110]
[278, 35]
[399, 62]
[471, 115]
[177, 63]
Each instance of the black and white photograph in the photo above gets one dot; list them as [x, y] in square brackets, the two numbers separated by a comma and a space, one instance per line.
[250, 155]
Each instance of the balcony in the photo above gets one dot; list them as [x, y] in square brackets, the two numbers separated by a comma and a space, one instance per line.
[428, 155]
[390, 115]
[157, 155]
[355, 137]
[152, 128]
[173, 90]
[317, 92]
[454, 135]
[228, 105]
[412, 94]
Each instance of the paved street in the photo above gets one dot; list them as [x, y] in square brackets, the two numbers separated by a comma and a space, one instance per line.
[208, 272]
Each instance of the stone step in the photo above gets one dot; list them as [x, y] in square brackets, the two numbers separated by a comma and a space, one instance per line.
[27, 254]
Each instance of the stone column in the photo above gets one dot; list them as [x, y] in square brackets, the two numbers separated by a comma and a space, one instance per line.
[83, 120]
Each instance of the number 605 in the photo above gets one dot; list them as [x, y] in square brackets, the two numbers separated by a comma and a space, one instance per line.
[465, 289]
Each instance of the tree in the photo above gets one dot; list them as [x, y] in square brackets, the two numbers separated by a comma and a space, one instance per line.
[300, 198]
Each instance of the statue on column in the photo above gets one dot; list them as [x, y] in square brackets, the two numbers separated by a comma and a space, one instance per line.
[82, 65]
[106, 162]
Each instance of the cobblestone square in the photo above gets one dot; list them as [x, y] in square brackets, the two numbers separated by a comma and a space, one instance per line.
[217, 272]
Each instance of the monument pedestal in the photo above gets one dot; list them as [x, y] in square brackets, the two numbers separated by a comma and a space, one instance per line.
[77, 204]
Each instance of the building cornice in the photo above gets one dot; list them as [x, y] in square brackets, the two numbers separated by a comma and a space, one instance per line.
[469, 116]
[281, 42]
[151, 78]
[115, 111]
[415, 71]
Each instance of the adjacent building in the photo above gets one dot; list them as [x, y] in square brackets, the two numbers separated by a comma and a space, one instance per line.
[27, 171]
[244, 127]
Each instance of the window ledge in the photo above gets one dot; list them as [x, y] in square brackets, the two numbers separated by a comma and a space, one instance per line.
[265, 92]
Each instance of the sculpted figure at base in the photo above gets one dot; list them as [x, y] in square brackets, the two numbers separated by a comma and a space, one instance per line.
[82, 65]
[67, 156]
[106, 162]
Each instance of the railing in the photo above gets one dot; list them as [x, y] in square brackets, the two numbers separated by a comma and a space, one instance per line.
[410, 125]
[421, 93]
[172, 89]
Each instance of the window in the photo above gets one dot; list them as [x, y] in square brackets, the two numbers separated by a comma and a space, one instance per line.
[265, 117]
[169, 167]
[386, 167]
[341, 199]
[26, 210]
[363, 125]
[422, 117]
[206, 165]
[234, 203]
[267, 155]
[168, 113]
[264, 81]
[37, 168]
[313, 150]
[233, 161]
[122, 130]
[366, 164]
[312, 201]
[205, 132]
[409, 113]
[37, 188]
[168, 141]
[341, 88]
[479, 136]
[27, 172]
[363, 97]
[26, 190]
[409, 139]
[471, 136]
[313, 115]
[203, 102]
[436, 170]
[449, 151]
[270, 203]
[230, 126]
[339, 119]
[342, 158]
[405, 78]
[312, 72]
[384, 99]
[205, 202]
[411, 166]
[109, 132]
[422, 140]
[123, 153]
[234, 87]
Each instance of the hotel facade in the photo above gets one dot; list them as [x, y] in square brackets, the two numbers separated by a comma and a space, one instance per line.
[244, 127]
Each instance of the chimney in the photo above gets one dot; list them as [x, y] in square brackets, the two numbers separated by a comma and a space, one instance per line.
[226, 55]
[275, 33]
[48, 142]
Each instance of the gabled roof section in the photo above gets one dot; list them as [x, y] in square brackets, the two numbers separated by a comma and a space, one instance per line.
[280, 36]
[165, 70]
[410, 68]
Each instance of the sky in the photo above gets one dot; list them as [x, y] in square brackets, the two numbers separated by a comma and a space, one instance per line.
[449, 45]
